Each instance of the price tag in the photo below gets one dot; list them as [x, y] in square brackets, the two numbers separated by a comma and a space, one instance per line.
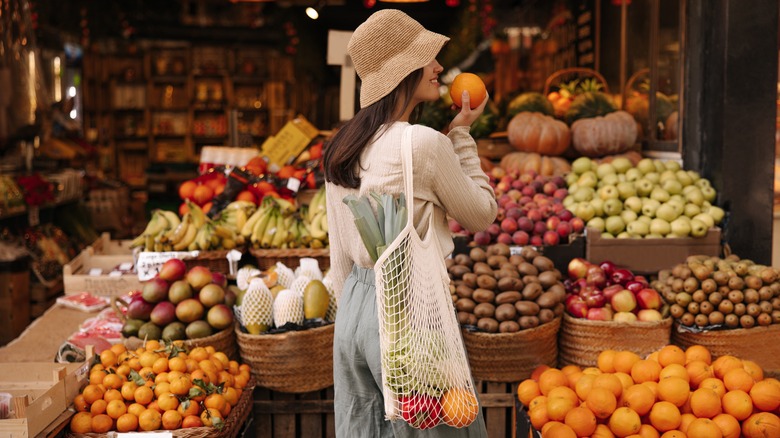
[115, 274]
[33, 216]
[126, 266]
[293, 184]
[150, 263]
[515, 250]
[94, 272]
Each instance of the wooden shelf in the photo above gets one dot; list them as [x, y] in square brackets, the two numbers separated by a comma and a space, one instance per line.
[22, 209]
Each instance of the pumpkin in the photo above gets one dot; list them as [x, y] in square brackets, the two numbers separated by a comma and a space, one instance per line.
[531, 102]
[522, 162]
[611, 134]
[590, 104]
[535, 132]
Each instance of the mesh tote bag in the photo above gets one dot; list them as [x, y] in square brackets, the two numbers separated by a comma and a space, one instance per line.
[425, 372]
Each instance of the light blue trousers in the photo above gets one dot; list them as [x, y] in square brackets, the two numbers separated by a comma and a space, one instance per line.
[357, 371]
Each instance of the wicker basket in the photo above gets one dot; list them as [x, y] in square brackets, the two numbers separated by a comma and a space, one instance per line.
[214, 260]
[290, 257]
[558, 76]
[233, 423]
[224, 341]
[296, 361]
[511, 357]
[581, 340]
[758, 344]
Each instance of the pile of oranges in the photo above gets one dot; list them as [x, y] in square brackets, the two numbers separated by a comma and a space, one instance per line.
[670, 394]
[158, 387]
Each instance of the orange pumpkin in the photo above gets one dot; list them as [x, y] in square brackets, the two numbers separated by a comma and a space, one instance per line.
[522, 162]
[536, 132]
[598, 136]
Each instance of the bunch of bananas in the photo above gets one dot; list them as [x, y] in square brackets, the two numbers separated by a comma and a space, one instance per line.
[316, 220]
[195, 231]
[279, 224]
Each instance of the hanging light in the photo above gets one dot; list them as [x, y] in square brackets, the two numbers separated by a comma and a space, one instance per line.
[313, 12]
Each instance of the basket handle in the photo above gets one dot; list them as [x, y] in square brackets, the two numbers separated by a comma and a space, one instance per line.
[579, 70]
[120, 311]
[630, 85]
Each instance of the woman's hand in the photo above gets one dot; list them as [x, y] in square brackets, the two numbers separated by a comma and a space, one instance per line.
[467, 116]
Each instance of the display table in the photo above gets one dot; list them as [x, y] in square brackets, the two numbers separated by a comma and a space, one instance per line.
[43, 338]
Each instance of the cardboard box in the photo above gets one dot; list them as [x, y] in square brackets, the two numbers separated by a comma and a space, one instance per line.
[96, 274]
[648, 256]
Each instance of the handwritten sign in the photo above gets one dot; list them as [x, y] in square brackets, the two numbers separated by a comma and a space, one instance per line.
[288, 142]
[150, 263]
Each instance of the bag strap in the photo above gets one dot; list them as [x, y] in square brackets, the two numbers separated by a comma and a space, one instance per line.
[408, 171]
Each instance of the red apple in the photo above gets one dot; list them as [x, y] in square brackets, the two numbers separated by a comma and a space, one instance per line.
[219, 279]
[494, 229]
[623, 301]
[635, 286]
[600, 314]
[578, 268]
[624, 317]
[649, 315]
[595, 276]
[540, 227]
[553, 222]
[503, 200]
[536, 240]
[509, 225]
[513, 213]
[622, 276]
[534, 214]
[577, 224]
[611, 290]
[576, 306]
[648, 299]
[565, 214]
[608, 267]
[520, 238]
[172, 270]
[549, 188]
[564, 230]
[551, 238]
[560, 194]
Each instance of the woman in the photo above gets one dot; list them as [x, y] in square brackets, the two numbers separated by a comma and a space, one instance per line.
[395, 58]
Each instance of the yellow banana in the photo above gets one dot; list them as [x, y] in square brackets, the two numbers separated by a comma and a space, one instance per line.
[324, 222]
[270, 230]
[198, 217]
[281, 233]
[203, 238]
[241, 219]
[285, 206]
[304, 237]
[259, 227]
[249, 226]
[174, 235]
[224, 232]
[187, 239]
[171, 217]
[315, 228]
[148, 242]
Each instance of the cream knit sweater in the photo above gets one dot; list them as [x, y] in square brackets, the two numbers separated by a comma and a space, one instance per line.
[448, 180]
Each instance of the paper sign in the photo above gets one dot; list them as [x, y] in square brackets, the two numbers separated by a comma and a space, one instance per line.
[150, 263]
[95, 272]
[126, 266]
[516, 250]
[115, 274]
[289, 142]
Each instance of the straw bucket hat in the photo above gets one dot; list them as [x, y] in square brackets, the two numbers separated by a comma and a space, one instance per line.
[388, 47]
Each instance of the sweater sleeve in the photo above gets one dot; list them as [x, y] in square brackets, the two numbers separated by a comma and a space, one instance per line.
[459, 182]
[340, 262]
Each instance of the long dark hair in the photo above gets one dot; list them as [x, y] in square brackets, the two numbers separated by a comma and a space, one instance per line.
[341, 155]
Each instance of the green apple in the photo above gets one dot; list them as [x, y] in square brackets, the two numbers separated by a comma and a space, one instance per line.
[667, 175]
[691, 210]
[690, 188]
[716, 213]
[628, 216]
[633, 174]
[703, 217]
[677, 198]
[607, 236]
[614, 224]
[626, 189]
[584, 211]
[624, 235]
[709, 193]
[622, 164]
[571, 178]
[597, 223]
[660, 227]
[645, 165]
[694, 175]
[672, 186]
[698, 228]
[581, 165]
[598, 206]
[609, 192]
[654, 177]
[694, 196]
[677, 205]
[638, 228]
[680, 227]
[569, 201]
[611, 179]
[659, 194]
[605, 169]
[644, 187]
[672, 165]
[612, 207]
[633, 203]
[583, 194]
[588, 179]
[684, 178]
[705, 205]
[666, 212]
[659, 166]
[645, 219]
[654, 236]
[649, 206]
[621, 177]
[703, 182]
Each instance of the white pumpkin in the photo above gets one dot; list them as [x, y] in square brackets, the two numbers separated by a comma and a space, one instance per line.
[604, 135]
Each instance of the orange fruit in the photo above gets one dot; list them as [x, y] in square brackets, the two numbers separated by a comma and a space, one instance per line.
[187, 408]
[705, 403]
[537, 401]
[653, 387]
[537, 415]
[92, 393]
[191, 421]
[222, 358]
[624, 422]
[102, 423]
[698, 371]
[155, 406]
[738, 404]
[160, 365]
[558, 430]
[149, 419]
[674, 390]
[640, 398]
[148, 358]
[127, 423]
[144, 396]
[765, 395]
[703, 428]
[116, 408]
[738, 378]
[609, 381]
[583, 385]
[123, 370]
[177, 364]
[665, 416]
[216, 401]
[181, 386]
[96, 377]
[685, 421]
[564, 392]
[671, 354]
[80, 404]
[558, 407]
[107, 358]
[112, 394]
[136, 409]
[581, 420]
[574, 377]
[728, 425]
[624, 360]
[550, 379]
[134, 363]
[715, 385]
[118, 349]
[187, 189]
[161, 388]
[211, 417]
[471, 83]
[167, 401]
[674, 370]
[128, 390]
[602, 431]
[724, 364]
[698, 352]
[653, 356]
[646, 370]
[171, 420]
[647, 431]
[753, 369]
[99, 407]
[674, 434]
[527, 390]
[601, 401]
[459, 407]
[231, 395]
[625, 380]
[761, 425]
[81, 423]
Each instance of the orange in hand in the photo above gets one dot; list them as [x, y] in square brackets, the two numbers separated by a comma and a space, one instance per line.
[471, 83]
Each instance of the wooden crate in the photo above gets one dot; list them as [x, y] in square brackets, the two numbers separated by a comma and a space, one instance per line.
[38, 391]
[105, 246]
[76, 275]
[310, 415]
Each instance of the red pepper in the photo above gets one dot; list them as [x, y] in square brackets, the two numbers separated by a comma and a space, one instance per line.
[420, 411]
